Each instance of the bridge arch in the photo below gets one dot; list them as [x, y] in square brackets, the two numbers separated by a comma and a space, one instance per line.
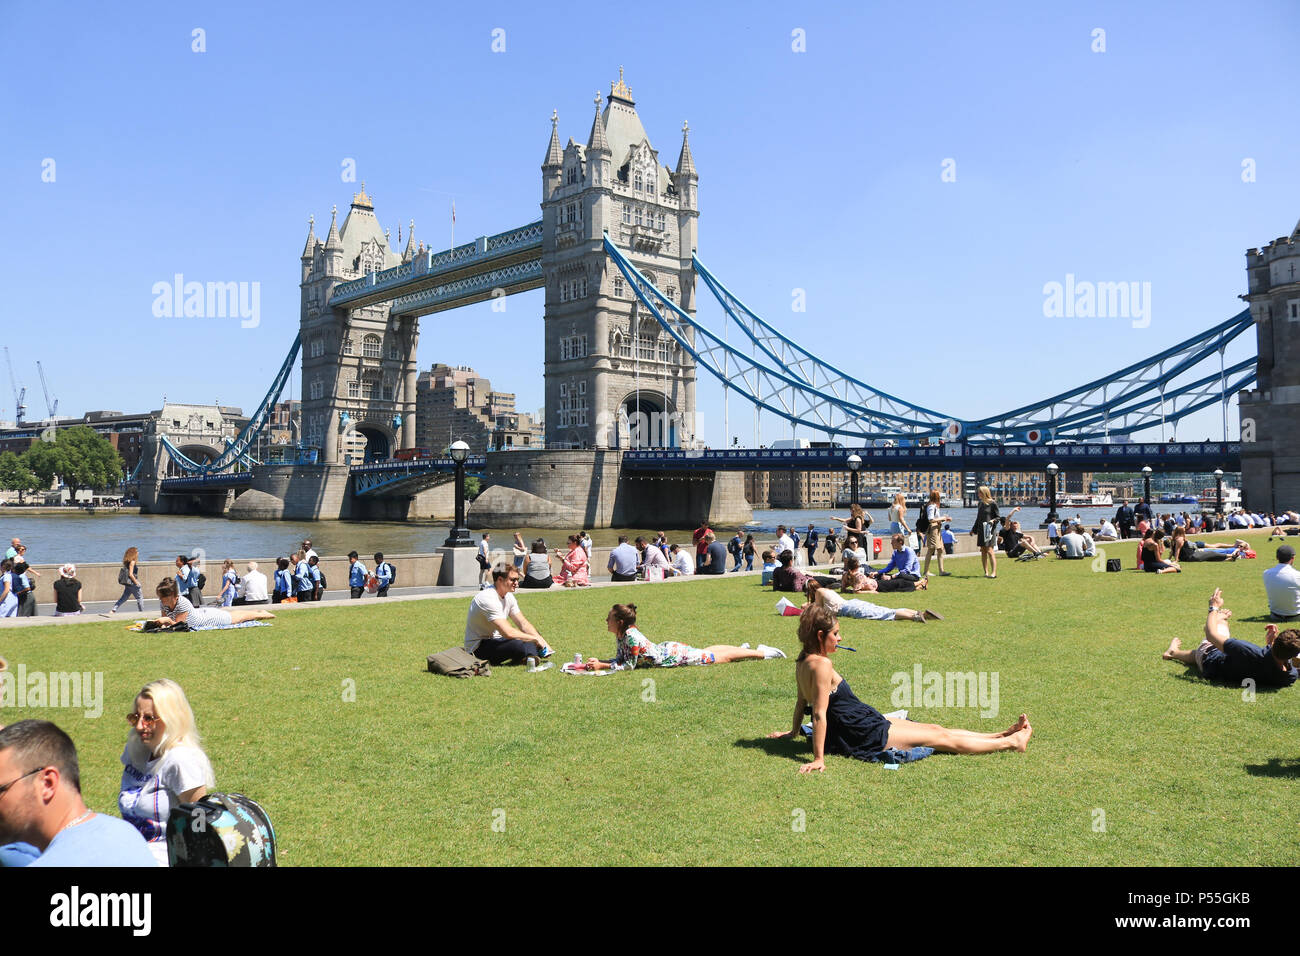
[648, 419]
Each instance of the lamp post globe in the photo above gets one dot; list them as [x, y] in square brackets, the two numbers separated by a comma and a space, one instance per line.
[854, 462]
[459, 537]
[1146, 484]
[1218, 491]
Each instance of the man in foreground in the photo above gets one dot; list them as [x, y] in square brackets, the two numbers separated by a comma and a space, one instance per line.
[41, 805]
[1223, 659]
[496, 630]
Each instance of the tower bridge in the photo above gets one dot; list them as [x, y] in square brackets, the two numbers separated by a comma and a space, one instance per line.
[615, 251]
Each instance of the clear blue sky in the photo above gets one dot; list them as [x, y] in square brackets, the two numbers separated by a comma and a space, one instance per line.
[818, 170]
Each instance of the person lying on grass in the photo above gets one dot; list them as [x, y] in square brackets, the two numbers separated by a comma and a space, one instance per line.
[634, 649]
[1184, 551]
[1226, 660]
[857, 581]
[177, 610]
[844, 725]
[836, 605]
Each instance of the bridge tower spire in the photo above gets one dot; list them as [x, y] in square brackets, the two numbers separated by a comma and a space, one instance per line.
[358, 364]
[614, 378]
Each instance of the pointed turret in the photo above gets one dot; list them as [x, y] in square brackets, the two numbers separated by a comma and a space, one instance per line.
[553, 155]
[332, 241]
[597, 138]
[409, 253]
[311, 239]
[685, 162]
[333, 246]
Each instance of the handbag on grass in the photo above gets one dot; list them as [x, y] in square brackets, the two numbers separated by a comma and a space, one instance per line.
[458, 662]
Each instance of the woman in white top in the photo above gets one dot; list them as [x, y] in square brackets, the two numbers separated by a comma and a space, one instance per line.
[163, 764]
[898, 517]
[934, 534]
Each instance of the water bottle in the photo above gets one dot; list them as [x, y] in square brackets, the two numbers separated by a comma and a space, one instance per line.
[532, 665]
[577, 661]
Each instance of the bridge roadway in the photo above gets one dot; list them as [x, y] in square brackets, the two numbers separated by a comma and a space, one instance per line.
[398, 478]
[953, 456]
[434, 282]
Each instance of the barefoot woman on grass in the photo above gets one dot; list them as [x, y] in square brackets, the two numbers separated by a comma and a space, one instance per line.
[844, 725]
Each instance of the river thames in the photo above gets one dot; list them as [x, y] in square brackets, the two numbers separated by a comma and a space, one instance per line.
[78, 537]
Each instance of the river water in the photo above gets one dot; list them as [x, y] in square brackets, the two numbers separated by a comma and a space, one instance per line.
[78, 537]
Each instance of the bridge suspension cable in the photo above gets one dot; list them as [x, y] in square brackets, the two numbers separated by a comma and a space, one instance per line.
[785, 378]
[237, 450]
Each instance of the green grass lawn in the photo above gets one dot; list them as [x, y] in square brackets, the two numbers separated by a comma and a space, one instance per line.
[587, 770]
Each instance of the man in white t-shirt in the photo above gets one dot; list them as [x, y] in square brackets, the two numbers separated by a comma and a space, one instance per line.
[681, 562]
[308, 552]
[1282, 584]
[254, 587]
[496, 630]
[783, 542]
[1107, 531]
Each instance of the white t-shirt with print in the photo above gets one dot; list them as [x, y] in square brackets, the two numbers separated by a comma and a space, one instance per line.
[149, 793]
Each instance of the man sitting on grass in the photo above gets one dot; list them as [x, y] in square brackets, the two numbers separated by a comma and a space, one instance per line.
[903, 572]
[496, 630]
[1225, 660]
[787, 577]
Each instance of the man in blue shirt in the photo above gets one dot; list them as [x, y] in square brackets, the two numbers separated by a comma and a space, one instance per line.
[42, 811]
[622, 561]
[356, 575]
[903, 572]
[1225, 660]
[384, 572]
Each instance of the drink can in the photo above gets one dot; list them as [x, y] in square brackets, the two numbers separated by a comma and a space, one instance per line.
[577, 660]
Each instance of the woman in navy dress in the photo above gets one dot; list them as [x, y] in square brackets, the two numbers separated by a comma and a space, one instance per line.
[844, 725]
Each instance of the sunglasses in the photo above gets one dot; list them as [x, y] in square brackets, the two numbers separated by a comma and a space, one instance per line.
[149, 721]
[6, 787]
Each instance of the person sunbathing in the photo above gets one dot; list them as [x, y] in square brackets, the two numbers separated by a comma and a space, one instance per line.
[177, 610]
[1226, 660]
[844, 725]
[633, 649]
[865, 610]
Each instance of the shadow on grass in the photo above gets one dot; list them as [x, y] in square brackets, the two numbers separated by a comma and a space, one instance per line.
[793, 749]
[1276, 767]
[1192, 676]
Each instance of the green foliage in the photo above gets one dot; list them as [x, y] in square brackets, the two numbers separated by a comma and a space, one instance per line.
[78, 456]
[16, 475]
[597, 771]
[473, 487]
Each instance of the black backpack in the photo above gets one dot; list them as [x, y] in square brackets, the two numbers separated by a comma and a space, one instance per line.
[203, 581]
[392, 571]
[922, 522]
[220, 829]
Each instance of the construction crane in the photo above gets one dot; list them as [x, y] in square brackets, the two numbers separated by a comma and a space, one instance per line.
[20, 410]
[52, 406]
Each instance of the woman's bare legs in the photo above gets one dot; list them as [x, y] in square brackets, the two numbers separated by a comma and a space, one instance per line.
[905, 734]
[238, 615]
[726, 653]
[989, 558]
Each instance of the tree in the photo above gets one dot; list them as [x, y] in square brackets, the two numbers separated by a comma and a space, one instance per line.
[15, 475]
[472, 487]
[79, 456]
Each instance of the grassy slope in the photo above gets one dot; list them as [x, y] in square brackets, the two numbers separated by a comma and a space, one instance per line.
[589, 772]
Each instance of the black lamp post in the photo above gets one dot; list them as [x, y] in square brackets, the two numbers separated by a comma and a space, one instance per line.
[1052, 469]
[1218, 491]
[1146, 485]
[854, 463]
[459, 537]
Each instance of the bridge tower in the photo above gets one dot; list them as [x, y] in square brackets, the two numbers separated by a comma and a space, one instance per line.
[358, 364]
[614, 377]
[1270, 444]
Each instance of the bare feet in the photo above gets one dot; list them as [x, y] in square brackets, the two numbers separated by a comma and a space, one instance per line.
[1021, 737]
[1018, 726]
[1175, 645]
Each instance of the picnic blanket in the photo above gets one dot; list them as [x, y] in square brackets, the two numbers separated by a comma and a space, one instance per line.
[574, 669]
[139, 626]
